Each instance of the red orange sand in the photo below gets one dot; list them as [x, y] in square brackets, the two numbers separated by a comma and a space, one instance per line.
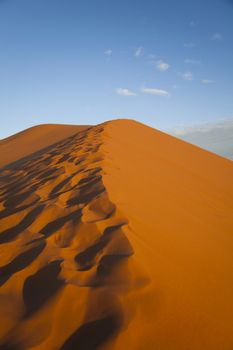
[114, 237]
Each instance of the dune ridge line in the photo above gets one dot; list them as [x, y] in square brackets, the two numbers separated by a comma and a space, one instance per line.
[65, 232]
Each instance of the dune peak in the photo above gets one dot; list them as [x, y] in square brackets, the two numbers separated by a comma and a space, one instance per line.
[114, 236]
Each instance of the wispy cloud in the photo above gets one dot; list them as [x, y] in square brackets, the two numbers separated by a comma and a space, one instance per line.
[205, 127]
[162, 66]
[187, 76]
[189, 45]
[193, 23]
[125, 92]
[215, 136]
[139, 51]
[155, 91]
[207, 81]
[191, 61]
[217, 37]
[108, 52]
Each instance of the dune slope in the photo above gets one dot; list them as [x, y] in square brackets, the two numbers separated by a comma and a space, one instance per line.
[116, 237]
[34, 139]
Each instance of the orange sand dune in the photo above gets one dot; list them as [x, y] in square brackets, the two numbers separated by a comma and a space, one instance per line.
[34, 139]
[115, 237]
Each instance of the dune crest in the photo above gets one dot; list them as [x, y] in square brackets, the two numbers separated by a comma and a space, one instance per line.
[62, 230]
[116, 236]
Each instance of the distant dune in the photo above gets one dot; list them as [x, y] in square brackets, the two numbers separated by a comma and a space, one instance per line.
[115, 236]
[34, 139]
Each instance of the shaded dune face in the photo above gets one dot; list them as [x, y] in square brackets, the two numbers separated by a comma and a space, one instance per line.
[61, 232]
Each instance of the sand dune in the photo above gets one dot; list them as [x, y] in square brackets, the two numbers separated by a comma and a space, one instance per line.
[34, 139]
[115, 236]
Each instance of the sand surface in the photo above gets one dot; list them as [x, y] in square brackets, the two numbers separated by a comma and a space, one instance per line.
[115, 236]
[34, 139]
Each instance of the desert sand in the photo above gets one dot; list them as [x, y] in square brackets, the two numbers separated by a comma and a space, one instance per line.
[34, 139]
[115, 236]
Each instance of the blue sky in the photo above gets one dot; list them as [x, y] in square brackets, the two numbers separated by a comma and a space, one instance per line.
[163, 62]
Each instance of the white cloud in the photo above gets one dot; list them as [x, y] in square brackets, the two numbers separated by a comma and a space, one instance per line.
[189, 45]
[178, 132]
[162, 66]
[108, 52]
[191, 61]
[187, 76]
[125, 92]
[217, 37]
[215, 136]
[193, 23]
[155, 91]
[207, 81]
[139, 51]
[204, 127]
